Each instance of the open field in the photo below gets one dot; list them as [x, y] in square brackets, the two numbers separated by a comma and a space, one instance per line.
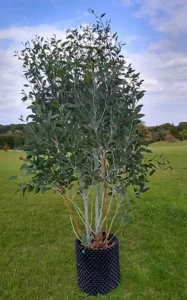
[36, 240]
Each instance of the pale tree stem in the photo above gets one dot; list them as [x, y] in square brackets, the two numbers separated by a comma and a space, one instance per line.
[115, 215]
[109, 207]
[104, 173]
[79, 211]
[91, 213]
[98, 226]
[74, 228]
[86, 213]
[97, 206]
[86, 210]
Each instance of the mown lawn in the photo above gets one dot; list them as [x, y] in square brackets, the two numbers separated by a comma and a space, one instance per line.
[36, 241]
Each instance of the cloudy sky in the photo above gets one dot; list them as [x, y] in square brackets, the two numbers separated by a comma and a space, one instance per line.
[155, 33]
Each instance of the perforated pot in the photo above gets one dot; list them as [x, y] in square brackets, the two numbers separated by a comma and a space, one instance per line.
[98, 269]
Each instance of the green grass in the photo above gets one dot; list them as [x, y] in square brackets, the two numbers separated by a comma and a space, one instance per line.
[36, 243]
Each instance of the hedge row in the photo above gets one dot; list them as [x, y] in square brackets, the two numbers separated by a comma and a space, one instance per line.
[12, 141]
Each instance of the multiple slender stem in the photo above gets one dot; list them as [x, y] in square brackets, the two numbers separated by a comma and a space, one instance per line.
[102, 210]
[101, 204]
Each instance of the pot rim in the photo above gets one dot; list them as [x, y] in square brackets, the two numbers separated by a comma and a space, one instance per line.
[114, 243]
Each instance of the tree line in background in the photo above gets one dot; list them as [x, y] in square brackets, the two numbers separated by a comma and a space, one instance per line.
[164, 132]
[13, 137]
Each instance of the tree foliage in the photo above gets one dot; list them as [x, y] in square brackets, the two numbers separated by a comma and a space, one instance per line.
[83, 126]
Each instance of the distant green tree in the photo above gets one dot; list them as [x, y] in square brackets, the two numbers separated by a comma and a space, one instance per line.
[18, 132]
[183, 124]
[183, 134]
[12, 127]
[155, 136]
[143, 130]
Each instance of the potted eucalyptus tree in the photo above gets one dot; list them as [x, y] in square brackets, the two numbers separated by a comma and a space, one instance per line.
[83, 142]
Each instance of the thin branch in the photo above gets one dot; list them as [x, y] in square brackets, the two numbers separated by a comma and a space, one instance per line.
[98, 226]
[66, 200]
[86, 212]
[114, 217]
[106, 207]
[91, 218]
[115, 232]
[77, 208]
[74, 228]
[97, 197]
[89, 191]
[109, 207]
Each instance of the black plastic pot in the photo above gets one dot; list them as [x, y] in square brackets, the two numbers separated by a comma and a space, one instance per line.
[98, 269]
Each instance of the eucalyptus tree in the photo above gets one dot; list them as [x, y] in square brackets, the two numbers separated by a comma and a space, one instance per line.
[82, 131]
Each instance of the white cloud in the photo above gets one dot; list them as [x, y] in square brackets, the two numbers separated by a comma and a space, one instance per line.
[22, 34]
[165, 83]
[163, 73]
[11, 84]
[164, 64]
[165, 16]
